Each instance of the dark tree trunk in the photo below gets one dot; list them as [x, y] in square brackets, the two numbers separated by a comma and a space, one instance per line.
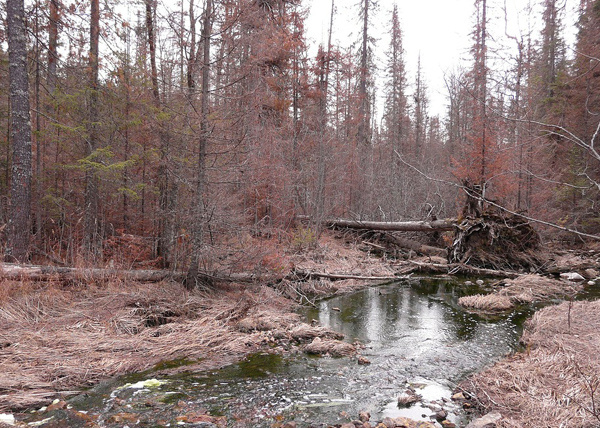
[20, 196]
[167, 187]
[92, 239]
[200, 201]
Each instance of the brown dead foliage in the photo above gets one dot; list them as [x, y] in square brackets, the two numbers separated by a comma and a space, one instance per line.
[521, 290]
[57, 339]
[486, 302]
[555, 382]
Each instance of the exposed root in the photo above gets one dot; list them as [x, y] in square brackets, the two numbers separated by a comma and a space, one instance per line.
[496, 240]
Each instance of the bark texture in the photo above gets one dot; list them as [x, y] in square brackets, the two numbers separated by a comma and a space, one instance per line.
[20, 195]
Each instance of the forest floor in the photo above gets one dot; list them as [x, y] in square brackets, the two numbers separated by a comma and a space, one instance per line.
[59, 338]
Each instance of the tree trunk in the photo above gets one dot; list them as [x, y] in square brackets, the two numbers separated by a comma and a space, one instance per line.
[20, 196]
[400, 226]
[167, 188]
[199, 217]
[92, 241]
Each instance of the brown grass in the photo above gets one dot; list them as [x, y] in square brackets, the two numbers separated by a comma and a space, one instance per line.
[556, 381]
[524, 289]
[486, 302]
[55, 339]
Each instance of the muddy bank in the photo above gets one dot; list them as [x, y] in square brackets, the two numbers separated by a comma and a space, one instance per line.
[555, 381]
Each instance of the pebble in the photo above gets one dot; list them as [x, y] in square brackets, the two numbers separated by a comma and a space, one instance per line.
[364, 416]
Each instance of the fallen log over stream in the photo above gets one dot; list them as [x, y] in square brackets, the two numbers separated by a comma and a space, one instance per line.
[300, 274]
[460, 268]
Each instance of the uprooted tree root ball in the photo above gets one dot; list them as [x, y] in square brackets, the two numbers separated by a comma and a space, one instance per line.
[496, 240]
[555, 382]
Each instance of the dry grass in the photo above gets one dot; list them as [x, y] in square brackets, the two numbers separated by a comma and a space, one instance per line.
[556, 382]
[57, 339]
[486, 302]
[524, 289]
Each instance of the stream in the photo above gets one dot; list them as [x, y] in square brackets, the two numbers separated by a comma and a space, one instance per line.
[414, 335]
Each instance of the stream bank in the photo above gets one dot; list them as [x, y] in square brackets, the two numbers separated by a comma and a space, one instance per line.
[59, 338]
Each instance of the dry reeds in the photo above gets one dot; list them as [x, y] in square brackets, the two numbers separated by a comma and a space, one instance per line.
[521, 290]
[58, 339]
[486, 302]
[556, 381]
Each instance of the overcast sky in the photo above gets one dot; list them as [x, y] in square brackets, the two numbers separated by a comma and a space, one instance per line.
[438, 30]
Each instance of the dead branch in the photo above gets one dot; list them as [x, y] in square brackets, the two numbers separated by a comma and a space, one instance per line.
[305, 274]
[454, 268]
[16, 272]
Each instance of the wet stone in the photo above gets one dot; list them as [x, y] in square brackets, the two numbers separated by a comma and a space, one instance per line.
[389, 422]
[364, 416]
[440, 415]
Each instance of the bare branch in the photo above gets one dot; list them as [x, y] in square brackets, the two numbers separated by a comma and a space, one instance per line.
[492, 203]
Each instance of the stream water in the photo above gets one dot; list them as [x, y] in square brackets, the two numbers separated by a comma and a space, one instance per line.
[414, 335]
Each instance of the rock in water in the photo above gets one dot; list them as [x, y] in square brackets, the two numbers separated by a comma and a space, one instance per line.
[408, 398]
[363, 361]
[440, 415]
[364, 416]
[572, 276]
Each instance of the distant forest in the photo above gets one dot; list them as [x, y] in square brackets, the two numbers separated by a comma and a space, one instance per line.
[167, 135]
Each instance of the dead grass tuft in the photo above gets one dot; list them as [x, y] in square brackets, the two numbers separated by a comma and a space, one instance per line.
[556, 381]
[56, 340]
[486, 302]
[521, 290]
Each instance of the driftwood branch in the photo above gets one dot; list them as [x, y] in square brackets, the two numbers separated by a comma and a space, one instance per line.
[417, 246]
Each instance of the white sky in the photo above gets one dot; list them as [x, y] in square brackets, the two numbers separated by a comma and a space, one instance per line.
[437, 29]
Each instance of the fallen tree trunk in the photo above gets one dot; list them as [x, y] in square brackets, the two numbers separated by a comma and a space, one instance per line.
[398, 226]
[454, 268]
[305, 274]
[9, 271]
